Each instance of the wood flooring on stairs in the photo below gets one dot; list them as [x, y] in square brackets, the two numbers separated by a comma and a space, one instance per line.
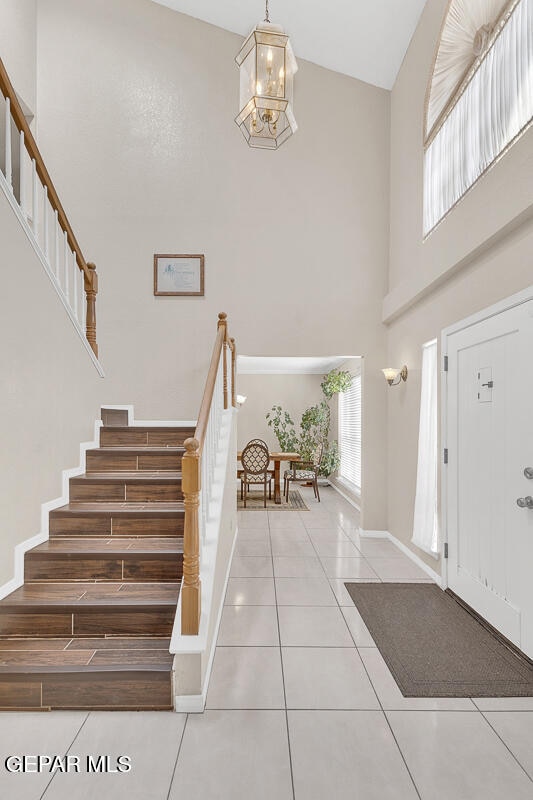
[90, 627]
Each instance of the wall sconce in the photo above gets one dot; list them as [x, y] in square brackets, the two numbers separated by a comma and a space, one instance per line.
[392, 374]
[241, 399]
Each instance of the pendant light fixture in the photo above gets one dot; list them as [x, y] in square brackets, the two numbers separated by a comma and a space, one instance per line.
[267, 66]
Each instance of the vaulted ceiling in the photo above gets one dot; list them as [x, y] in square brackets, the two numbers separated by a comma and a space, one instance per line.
[366, 39]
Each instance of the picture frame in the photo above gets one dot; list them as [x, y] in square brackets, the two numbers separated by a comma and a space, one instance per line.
[178, 275]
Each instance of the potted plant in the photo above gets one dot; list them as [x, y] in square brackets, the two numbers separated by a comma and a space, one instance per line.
[314, 425]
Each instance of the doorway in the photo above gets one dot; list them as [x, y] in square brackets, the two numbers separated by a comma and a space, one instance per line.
[488, 436]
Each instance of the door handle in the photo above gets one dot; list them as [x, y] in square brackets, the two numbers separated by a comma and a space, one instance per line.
[525, 502]
[528, 472]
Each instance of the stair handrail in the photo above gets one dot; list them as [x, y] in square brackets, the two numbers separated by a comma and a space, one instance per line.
[15, 113]
[197, 470]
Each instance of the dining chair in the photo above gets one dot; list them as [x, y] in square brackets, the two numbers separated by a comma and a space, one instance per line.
[270, 472]
[304, 472]
[255, 459]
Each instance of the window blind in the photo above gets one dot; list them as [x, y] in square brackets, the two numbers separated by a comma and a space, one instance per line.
[350, 433]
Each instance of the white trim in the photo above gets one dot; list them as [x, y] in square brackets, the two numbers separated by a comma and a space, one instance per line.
[148, 423]
[507, 303]
[43, 535]
[197, 645]
[406, 550]
[352, 500]
[48, 270]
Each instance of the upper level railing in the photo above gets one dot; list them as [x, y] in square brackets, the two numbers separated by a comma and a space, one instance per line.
[198, 470]
[27, 177]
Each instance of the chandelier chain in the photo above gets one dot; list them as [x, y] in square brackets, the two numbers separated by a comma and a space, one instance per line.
[267, 15]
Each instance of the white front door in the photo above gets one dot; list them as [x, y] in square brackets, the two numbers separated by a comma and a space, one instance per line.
[490, 444]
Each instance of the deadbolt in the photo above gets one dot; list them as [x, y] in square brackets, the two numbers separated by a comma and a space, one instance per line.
[528, 472]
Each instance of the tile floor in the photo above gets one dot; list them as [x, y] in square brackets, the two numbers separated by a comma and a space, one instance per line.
[301, 706]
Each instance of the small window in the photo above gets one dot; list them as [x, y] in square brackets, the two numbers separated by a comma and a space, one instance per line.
[350, 434]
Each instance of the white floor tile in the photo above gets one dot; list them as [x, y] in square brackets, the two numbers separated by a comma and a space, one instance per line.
[377, 548]
[358, 629]
[346, 755]
[150, 739]
[250, 592]
[516, 730]
[332, 534]
[341, 593]
[326, 678]
[339, 548]
[234, 755]
[297, 567]
[349, 569]
[253, 535]
[252, 548]
[30, 734]
[401, 570]
[289, 535]
[246, 677]
[304, 592]
[248, 626]
[504, 703]
[251, 567]
[284, 520]
[391, 697]
[286, 547]
[456, 756]
[252, 519]
[313, 627]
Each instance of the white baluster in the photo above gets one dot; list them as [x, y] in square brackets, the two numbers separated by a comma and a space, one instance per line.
[9, 160]
[66, 265]
[75, 286]
[56, 246]
[22, 160]
[45, 224]
[34, 200]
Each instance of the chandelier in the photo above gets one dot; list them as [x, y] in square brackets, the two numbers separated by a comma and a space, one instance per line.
[267, 66]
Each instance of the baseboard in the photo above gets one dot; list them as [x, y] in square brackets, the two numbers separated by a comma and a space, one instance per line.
[374, 534]
[22, 548]
[346, 496]
[417, 560]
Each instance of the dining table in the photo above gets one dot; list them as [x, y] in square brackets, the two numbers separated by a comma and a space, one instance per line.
[277, 458]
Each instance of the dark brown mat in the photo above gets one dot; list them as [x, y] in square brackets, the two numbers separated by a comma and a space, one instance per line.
[434, 647]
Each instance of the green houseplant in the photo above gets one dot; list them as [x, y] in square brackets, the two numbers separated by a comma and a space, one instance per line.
[314, 425]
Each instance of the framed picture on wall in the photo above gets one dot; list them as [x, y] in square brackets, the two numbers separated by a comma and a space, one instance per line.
[181, 275]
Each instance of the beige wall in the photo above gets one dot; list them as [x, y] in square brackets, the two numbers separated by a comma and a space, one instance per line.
[136, 108]
[479, 254]
[294, 393]
[50, 391]
[18, 36]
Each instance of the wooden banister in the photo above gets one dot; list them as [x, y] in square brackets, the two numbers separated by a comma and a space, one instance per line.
[191, 471]
[89, 270]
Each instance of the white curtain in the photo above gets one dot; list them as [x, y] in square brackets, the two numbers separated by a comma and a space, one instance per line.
[426, 524]
[496, 106]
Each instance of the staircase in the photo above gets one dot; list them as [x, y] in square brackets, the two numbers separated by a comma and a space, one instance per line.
[90, 627]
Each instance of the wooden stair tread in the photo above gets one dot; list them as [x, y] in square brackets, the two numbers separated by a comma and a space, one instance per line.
[98, 643]
[89, 659]
[47, 595]
[100, 546]
[143, 449]
[142, 476]
[136, 509]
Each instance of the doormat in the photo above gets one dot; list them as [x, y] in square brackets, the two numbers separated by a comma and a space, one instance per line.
[434, 647]
[254, 501]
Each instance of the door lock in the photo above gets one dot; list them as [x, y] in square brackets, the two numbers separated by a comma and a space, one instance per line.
[528, 472]
[525, 502]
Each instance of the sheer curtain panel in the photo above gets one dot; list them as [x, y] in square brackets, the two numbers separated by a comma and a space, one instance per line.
[426, 526]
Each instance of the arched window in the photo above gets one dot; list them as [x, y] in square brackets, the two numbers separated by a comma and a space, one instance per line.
[479, 98]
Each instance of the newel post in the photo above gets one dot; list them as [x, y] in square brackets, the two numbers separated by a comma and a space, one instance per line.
[191, 586]
[223, 323]
[91, 290]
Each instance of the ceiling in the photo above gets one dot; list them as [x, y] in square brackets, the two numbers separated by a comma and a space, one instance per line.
[366, 40]
[288, 365]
